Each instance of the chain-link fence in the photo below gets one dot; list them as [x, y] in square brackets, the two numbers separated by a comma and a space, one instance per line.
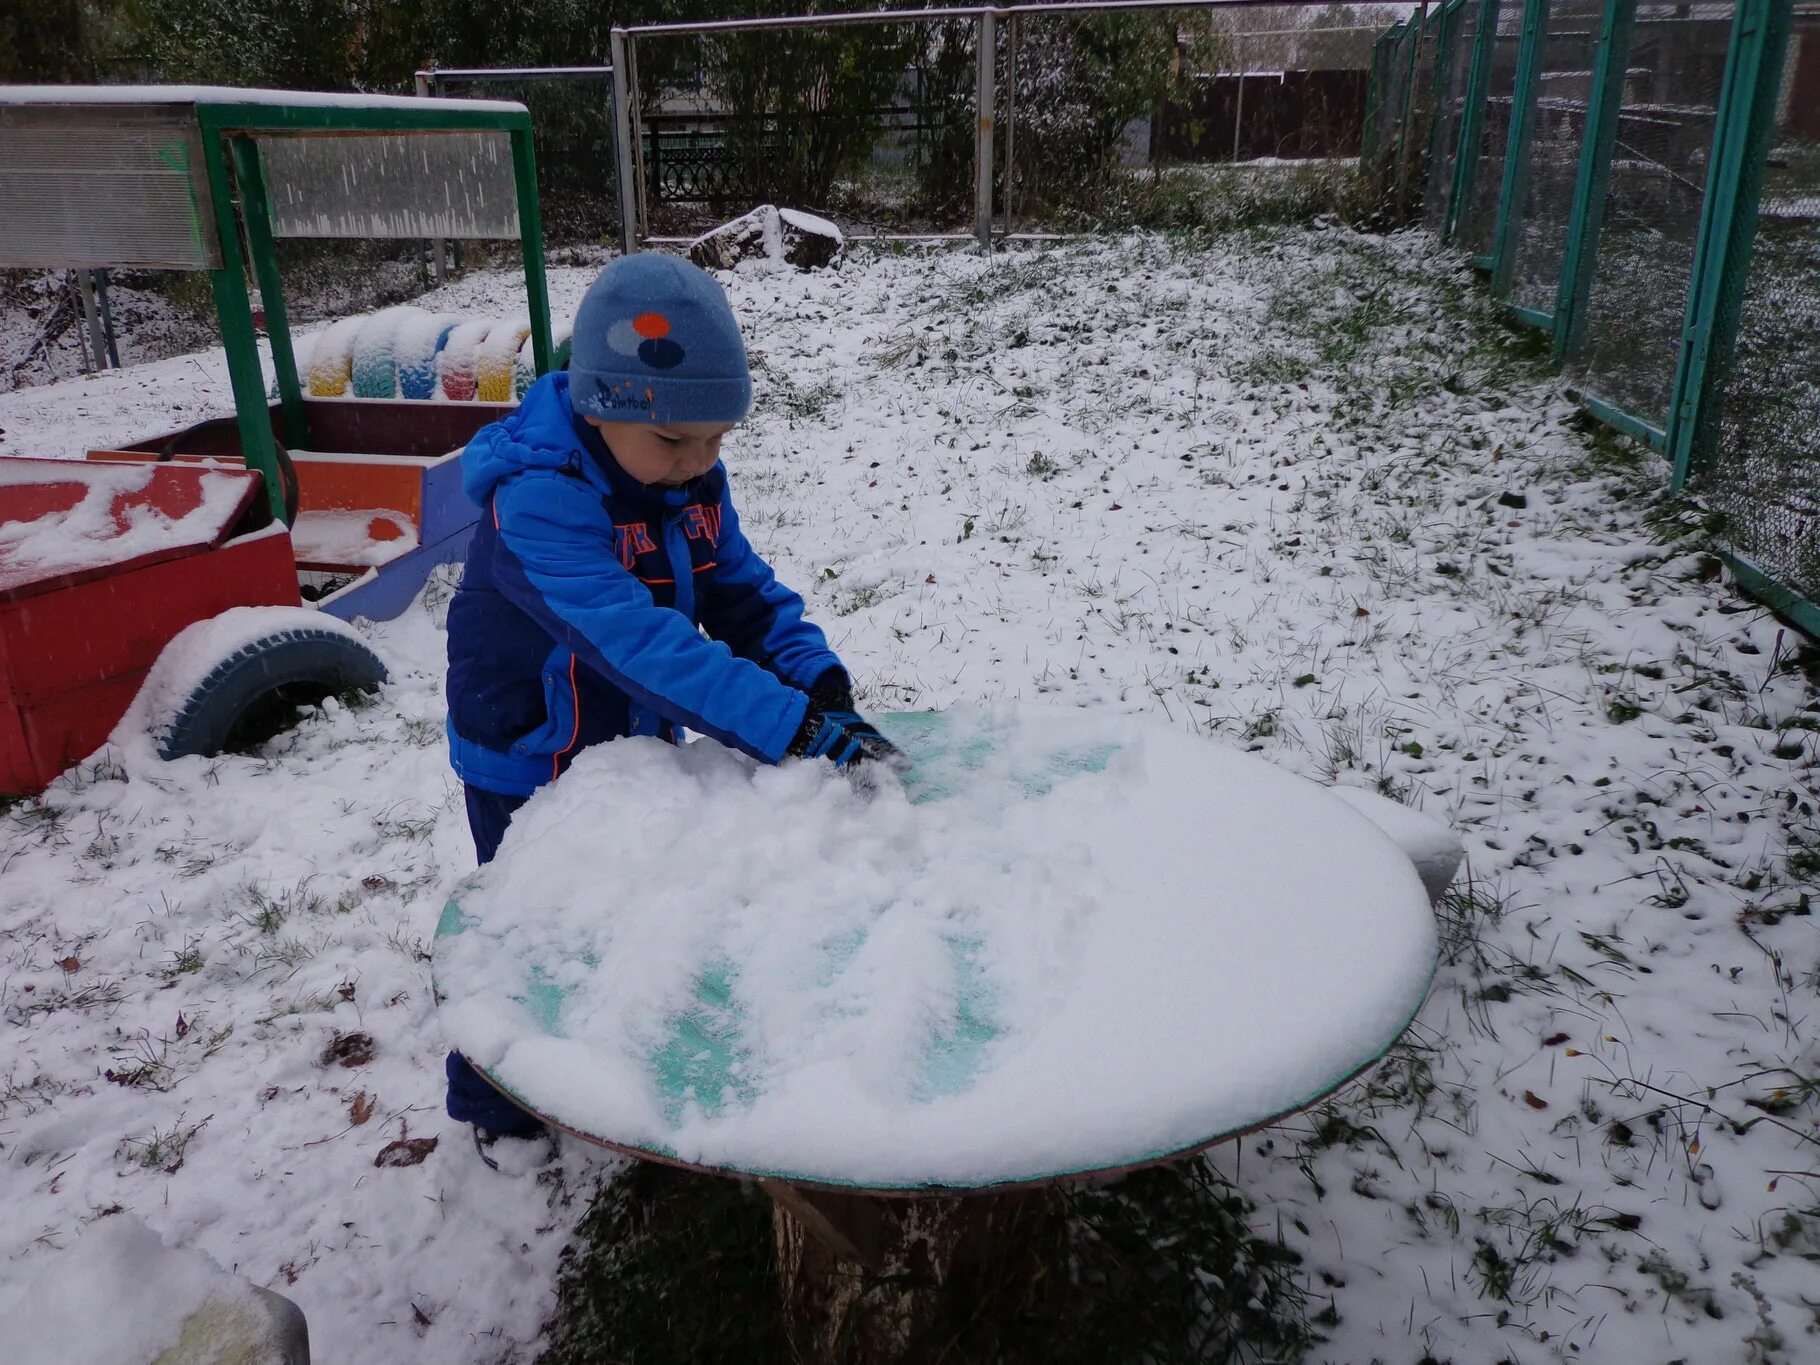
[1457, 45]
[982, 122]
[1393, 115]
[1556, 106]
[1755, 456]
[1476, 209]
[872, 123]
[1642, 181]
[1625, 341]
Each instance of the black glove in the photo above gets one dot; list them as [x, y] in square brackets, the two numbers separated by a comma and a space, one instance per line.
[832, 691]
[843, 737]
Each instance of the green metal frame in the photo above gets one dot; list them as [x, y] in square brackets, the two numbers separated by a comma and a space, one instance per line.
[530, 237]
[1773, 593]
[228, 130]
[1728, 221]
[1587, 219]
[1515, 190]
[234, 311]
[1448, 30]
[1619, 420]
[1413, 32]
[1744, 126]
[256, 211]
[1472, 120]
[1396, 74]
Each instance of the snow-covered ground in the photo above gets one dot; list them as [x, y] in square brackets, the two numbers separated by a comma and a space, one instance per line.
[1293, 489]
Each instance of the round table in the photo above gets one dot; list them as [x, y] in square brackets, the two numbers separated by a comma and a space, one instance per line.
[1059, 946]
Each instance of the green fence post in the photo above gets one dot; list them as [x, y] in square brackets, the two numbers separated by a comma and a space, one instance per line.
[1517, 146]
[1412, 34]
[1604, 101]
[255, 204]
[1472, 120]
[1728, 223]
[1390, 132]
[258, 448]
[530, 236]
[1445, 33]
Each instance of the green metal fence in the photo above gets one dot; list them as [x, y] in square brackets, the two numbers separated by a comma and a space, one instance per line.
[1642, 182]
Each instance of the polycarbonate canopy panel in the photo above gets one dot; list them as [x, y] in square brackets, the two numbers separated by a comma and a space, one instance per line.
[392, 185]
[103, 185]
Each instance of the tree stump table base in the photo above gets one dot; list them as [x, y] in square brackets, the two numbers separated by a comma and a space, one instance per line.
[866, 1279]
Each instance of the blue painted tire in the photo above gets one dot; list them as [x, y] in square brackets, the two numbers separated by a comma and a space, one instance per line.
[253, 693]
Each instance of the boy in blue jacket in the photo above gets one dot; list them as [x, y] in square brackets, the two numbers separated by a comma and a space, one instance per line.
[607, 543]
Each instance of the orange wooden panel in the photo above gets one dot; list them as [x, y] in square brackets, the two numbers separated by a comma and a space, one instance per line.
[353, 485]
[344, 483]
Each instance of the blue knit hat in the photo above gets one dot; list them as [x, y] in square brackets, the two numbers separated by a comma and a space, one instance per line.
[656, 341]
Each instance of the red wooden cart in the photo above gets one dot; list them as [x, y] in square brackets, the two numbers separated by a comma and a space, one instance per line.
[349, 503]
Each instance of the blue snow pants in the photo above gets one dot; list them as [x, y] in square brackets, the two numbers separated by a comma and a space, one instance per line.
[471, 1099]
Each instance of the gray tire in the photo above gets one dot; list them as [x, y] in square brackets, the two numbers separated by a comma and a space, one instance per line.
[254, 693]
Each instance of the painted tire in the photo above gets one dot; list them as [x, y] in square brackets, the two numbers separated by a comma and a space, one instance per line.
[374, 366]
[331, 367]
[495, 358]
[420, 342]
[285, 668]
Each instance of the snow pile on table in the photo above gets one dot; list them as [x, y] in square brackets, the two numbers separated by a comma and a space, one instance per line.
[1436, 850]
[120, 1296]
[1067, 944]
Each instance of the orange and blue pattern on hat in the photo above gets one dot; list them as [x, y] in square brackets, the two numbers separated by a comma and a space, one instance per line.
[646, 336]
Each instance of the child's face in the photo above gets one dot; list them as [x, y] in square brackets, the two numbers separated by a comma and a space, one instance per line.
[669, 455]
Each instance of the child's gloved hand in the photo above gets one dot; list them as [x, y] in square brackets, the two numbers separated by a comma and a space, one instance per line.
[843, 737]
[832, 691]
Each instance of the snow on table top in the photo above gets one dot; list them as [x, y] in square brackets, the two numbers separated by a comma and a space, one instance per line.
[233, 94]
[104, 526]
[1069, 943]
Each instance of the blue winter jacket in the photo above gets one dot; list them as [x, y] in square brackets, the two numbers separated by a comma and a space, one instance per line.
[577, 618]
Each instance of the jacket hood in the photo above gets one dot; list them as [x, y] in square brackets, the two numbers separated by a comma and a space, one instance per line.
[540, 435]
